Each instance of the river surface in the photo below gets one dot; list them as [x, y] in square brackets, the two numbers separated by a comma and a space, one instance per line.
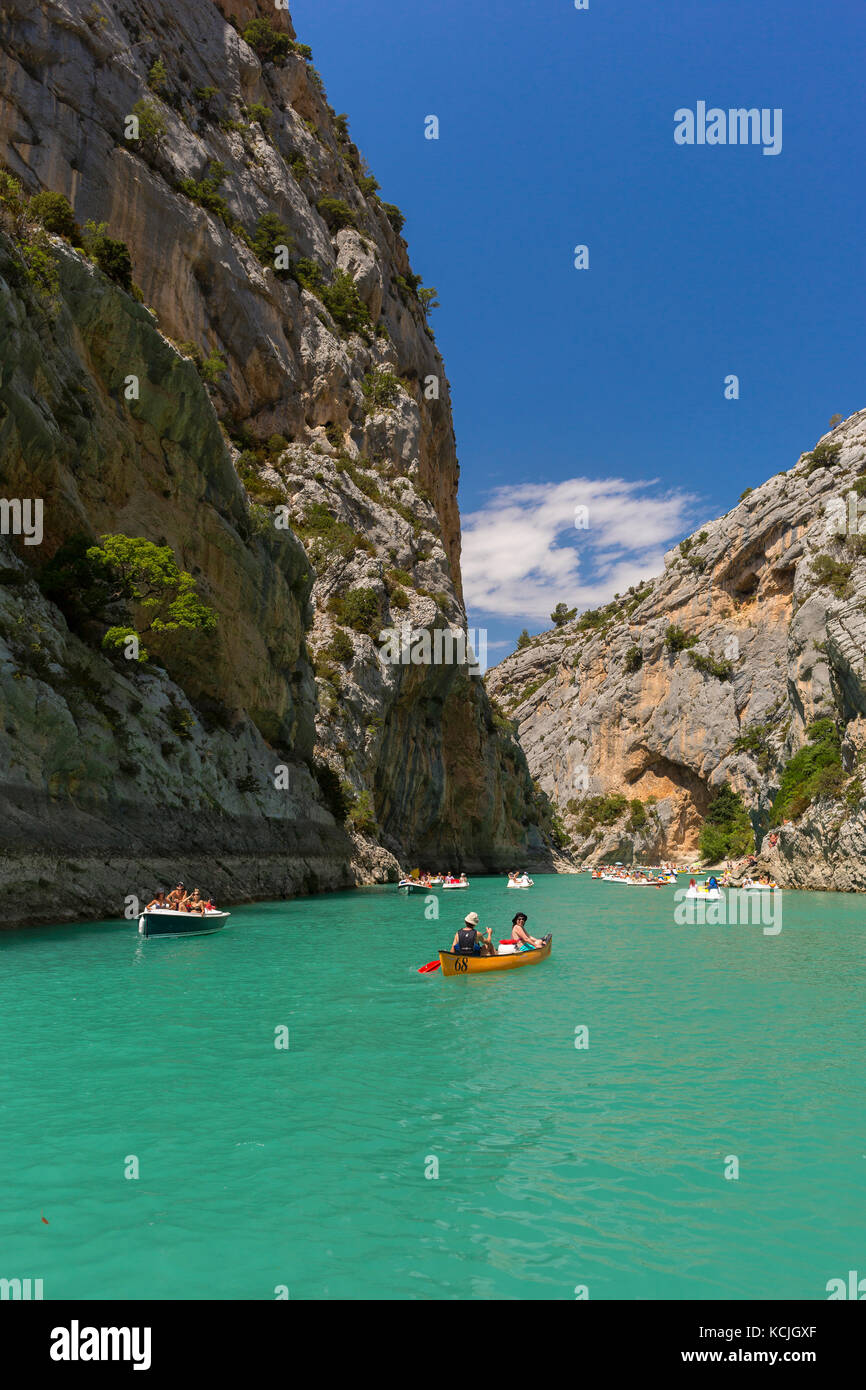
[561, 1168]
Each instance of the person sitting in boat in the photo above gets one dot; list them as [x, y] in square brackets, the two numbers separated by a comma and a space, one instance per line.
[176, 897]
[159, 903]
[520, 936]
[196, 902]
[712, 884]
[468, 942]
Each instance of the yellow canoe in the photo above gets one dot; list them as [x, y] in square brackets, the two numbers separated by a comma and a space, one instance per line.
[455, 964]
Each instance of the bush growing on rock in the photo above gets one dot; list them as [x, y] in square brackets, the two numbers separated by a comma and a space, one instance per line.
[712, 666]
[833, 574]
[394, 216]
[726, 831]
[157, 78]
[261, 113]
[562, 615]
[362, 815]
[524, 640]
[345, 305]
[270, 234]
[381, 389]
[633, 660]
[151, 127]
[358, 609]
[336, 213]
[801, 777]
[342, 648]
[595, 811]
[268, 43]
[111, 256]
[53, 210]
[676, 640]
[213, 367]
[335, 539]
[822, 456]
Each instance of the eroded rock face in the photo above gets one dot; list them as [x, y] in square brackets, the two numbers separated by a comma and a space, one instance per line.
[118, 776]
[604, 706]
[326, 405]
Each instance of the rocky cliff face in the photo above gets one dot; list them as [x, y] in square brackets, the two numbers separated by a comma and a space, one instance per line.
[770, 606]
[270, 267]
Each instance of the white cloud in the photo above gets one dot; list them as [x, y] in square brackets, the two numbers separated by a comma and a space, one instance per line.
[522, 553]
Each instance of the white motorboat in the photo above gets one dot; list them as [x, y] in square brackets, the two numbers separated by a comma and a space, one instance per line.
[167, 921]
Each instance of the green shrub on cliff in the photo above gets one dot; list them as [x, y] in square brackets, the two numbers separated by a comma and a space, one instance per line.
[336, 213]
[145, 576]
[268, 43]
[335, 538]
[594, 811]
[381, 389]
[633, 660]
[345, 305]
[55, 214]
[802, 780]
[676, 640]
[394, 216]
[833, 574]
[341, 648]
[362, 816]
[359, 609]
[261, 113]
[726, 831]
[272, 241]
[712, 666]
[110, 255]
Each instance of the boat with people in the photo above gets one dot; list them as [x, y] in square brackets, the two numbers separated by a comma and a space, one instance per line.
[519, 880]
[181, 914]
[709, 891]
[458, 963]
[163, 921]
[451, 882]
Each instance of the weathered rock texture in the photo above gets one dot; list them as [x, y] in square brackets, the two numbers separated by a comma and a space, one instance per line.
[296, 414]
[604, 706]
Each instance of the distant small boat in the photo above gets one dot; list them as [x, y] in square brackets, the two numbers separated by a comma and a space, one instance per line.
[712, 895]
[413, 885]
[523, 882]
[458, 883]
[453, 963]
[165, 921]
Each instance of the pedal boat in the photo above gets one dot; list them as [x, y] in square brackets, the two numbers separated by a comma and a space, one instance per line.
[166, 921]
[453, 963]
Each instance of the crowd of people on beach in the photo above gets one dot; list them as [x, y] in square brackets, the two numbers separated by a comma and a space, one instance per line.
[178, 900]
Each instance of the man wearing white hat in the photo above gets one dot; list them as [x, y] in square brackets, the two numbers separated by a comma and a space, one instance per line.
[466, 939]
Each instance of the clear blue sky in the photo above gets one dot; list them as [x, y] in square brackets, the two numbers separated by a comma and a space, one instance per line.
[556, 128]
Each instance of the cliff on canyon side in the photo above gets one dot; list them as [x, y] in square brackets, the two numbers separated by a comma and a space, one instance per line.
[744, 664]
[288, 438]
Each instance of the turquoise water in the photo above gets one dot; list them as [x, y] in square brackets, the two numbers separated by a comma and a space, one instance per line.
[558, 1167]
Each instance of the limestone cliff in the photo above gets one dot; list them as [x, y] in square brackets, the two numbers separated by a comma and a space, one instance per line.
[289, 386]
[713, 672]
